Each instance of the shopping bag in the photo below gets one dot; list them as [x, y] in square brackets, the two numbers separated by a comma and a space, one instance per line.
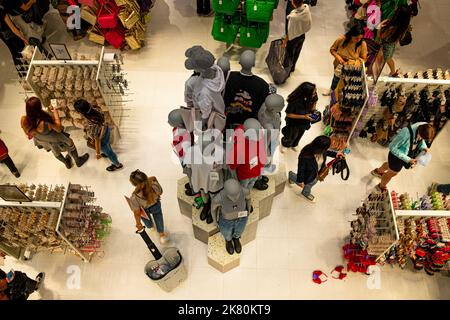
[95, 35]
[276, 61]
[259, 11]
[107, 15]
[88, 15]
[115, 37]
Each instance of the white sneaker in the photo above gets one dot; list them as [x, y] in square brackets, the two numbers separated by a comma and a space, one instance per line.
[163, 239]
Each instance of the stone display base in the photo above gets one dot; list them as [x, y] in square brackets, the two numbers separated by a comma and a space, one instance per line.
[263, 199]
[280, 177]
[218, 256]
[184, 202]
[202, 230]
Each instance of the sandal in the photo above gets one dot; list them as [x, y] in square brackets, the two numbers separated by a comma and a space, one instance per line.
[375, 173]
[395, 74]
[319, 277]
[337, 273]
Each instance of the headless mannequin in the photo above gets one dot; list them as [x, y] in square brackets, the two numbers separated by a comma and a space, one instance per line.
[244, 92]
[224, 64]
[254, 135]
[182, 140]
[270, 118]
[231, 207]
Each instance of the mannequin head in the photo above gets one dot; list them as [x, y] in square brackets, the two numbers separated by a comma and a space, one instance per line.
[200, 60]
[232, 189]
[247, 61]
[224, 64]
[174, 119]
[274, 103]
[253, 129]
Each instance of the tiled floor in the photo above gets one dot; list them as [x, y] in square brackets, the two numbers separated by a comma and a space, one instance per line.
[296, 239]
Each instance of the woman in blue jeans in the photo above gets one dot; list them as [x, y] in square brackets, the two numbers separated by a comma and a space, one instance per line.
[311, 160]
[145, 202]
[98, 133]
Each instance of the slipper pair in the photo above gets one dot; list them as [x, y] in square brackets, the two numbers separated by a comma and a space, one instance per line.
[337, 273]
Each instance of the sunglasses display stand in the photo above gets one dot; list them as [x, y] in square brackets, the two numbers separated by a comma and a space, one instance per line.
[57, 219]
[423, 95]
[99, 80]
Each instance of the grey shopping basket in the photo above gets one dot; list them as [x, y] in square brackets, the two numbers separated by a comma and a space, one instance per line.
[177, 274]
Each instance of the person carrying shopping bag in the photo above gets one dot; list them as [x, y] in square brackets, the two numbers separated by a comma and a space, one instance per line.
[312, 160]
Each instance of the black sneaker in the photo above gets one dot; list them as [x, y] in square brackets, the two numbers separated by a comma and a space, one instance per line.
[237, 245]
[264, 179]
[260, 185]
[82, 160]
[103, 155]
[229, 246]
[113, 167]
[190, 192]
[68, 161]
[16, 174]
[39, 278]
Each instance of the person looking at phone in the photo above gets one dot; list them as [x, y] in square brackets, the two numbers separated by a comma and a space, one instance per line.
[301, 104]
[403, 150]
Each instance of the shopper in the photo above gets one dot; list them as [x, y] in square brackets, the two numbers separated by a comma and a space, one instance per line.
[48, 133]
[20, 286]
[299, 24]
[311, 160]
[391, 32]
[301, 103]
[146, 202]
[348, 49]
[6, 159]
[98, 132]
[401, 154]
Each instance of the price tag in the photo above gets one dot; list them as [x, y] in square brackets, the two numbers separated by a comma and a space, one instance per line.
[253, 162]
[220, 2]
[214, 176]
[255, 7]
[248, 34]
[242, 214]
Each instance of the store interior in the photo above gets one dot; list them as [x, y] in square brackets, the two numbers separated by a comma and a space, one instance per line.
[297, 238]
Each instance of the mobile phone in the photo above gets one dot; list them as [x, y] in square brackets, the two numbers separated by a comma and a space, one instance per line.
[346, 151]
[314, 116]
[54, 103]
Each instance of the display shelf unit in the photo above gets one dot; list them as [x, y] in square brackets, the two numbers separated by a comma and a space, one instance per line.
[101, 81]
[73, 224]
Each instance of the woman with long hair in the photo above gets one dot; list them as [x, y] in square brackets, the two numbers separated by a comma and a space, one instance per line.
[48, 133]
[145, 202]
[391, 32]
[348, 49]
[98, 132]
[311, 160]
[301, 103]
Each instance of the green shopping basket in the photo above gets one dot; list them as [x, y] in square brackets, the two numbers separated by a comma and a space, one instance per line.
[225, 28]
[253, 35]
[259, 10]
[225, 6]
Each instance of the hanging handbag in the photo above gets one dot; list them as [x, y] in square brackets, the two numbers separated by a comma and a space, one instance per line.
[128, 19]
[413, 152]
[107, 16]
[115, 37]
[341, 166]
[323, 173]
[95, 35]
[88, 15]
[132, 41]
[190, 116]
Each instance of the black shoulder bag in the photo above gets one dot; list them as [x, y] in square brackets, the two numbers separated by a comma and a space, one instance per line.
[341, 166]
[413, 152]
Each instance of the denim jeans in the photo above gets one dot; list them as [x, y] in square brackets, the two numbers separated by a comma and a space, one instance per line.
[232, 228]
[307, 188]
[248, 183]
[335, 82]
[105, 147]
[444, 188]
[156, 212]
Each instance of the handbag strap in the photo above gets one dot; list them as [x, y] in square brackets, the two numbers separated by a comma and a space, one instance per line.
[411, 138]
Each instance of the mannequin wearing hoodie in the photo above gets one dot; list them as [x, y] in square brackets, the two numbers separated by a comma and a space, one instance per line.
[205, 162]
[248, 156]
[244, 92]
[203, 92]
[299, 22]
[232, 206]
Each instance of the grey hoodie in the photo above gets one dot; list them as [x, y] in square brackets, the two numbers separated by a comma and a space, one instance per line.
[207, 93]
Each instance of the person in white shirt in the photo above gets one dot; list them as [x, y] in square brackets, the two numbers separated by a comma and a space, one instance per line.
[299, 22]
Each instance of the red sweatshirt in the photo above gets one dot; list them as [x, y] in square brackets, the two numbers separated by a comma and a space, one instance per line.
[249, 158]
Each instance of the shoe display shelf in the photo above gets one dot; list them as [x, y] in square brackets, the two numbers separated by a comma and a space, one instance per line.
[209, 234]
[52, 219]
[436, 80]
[99, 80]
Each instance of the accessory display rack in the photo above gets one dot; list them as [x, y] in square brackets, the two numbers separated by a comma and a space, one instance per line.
[409, 84]
[100, 81]
[343, 124]
[58, 219]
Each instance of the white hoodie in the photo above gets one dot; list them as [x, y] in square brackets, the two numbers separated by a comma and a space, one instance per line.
[207, 93]
[300, 21]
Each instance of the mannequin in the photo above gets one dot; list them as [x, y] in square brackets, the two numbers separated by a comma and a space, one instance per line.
[206, 171]
[181, 141]
[203, 90]
[224, 64]
[247, 158]
[232, 206]
[244, 92]
[270, 118]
